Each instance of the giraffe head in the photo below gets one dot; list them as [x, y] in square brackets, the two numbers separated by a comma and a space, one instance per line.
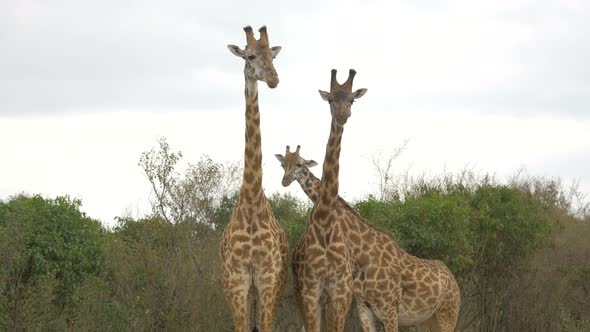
[258, 55]
[341, 97]
[293, 165]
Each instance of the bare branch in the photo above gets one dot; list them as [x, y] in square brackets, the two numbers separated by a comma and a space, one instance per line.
[383, 165]
[193, 197]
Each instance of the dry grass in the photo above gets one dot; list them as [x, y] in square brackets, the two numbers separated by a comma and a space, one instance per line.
[554, 295]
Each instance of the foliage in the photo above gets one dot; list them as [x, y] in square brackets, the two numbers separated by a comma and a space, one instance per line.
[291, 213]
[519, 250]
[507, 228]
[159, 169]
[433, 226]
[194, 197]
[222, 214]
[158, 276]
[47, 249]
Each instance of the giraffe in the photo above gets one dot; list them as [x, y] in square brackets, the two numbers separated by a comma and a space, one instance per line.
[321, 262]
[391, 285]
[254, 248]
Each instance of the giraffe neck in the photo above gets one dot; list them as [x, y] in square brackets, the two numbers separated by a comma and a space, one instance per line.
[355, 226]
[329, 182]
[251, 189]
[310, 184]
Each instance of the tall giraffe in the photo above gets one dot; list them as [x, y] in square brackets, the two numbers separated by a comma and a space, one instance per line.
[254, 247]
[391, 285]
[322, 263]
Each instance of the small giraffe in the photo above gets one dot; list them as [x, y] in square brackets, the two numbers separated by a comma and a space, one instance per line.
[322, 263]
[391, 285]
[253, 248]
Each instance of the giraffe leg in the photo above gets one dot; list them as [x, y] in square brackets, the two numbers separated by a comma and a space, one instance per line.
[391, 322]
[236, 296]
[445, 318]
[366, 317]
[391, 325]
[337, 312]
[270, 287]
[311, 308]
[268, 309]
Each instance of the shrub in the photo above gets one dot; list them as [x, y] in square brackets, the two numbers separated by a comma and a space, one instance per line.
[507, 228]
[47, 248]
[435, 225]
[158, 276]
[291, 213]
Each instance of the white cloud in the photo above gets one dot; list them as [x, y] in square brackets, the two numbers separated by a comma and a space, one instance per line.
[498, 56]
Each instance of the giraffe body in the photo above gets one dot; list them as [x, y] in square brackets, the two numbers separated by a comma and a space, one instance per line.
[253, 248]
[326, 281]
[390, 284]
[322, 262]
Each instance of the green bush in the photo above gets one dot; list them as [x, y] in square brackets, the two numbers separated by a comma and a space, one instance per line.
[59, 270]
[485, 232]
[222, 214]
[507, 226]
[158, 276]
[291, 213]
[434, 225]
[47, 248]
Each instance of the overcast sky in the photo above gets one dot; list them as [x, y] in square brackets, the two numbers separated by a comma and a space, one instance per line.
[86, 87]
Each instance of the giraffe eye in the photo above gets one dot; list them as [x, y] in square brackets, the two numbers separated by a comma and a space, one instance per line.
[251, 57]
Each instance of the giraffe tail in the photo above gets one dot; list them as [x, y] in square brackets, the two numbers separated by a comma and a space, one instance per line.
[252, 294]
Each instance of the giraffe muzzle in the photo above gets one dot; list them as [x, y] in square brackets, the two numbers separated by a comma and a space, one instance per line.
[341, 117]
[273, 84]
[286, 181]
[272, 79]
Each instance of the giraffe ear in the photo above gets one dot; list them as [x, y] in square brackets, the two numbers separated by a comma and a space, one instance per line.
[325, 95]
[236, 50]
[275, 50]
[310, 163]
[280, 158]
[359, 93]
